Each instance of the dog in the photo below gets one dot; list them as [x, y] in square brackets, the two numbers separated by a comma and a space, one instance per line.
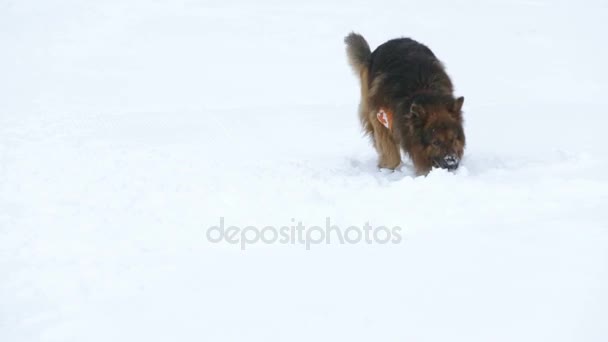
[407, 102]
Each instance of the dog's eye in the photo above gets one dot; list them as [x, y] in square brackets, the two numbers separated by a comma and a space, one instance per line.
[436, 143]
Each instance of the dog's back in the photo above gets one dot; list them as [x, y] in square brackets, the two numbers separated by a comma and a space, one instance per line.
[407, 67]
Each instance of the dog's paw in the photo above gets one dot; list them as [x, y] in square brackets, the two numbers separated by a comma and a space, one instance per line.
[385, 170]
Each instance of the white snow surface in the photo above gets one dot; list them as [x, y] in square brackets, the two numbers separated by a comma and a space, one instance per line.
[128, 127]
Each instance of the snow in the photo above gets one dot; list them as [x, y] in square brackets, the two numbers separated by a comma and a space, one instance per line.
[127, 128]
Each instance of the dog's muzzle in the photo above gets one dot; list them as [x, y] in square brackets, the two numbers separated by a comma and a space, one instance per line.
[449, 162]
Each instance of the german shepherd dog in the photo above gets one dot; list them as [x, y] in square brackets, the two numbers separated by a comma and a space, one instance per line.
[407, 102]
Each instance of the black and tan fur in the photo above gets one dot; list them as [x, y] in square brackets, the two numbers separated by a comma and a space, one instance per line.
[405, 78]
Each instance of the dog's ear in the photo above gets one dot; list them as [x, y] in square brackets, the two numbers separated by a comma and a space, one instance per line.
[416, 111]
[457, 107]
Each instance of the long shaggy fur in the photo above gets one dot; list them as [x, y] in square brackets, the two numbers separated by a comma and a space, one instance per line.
[405, 78]
[359, 55]
[358, 52]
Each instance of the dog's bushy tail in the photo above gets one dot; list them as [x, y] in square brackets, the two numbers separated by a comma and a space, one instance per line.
[359, 56]
[358, 52]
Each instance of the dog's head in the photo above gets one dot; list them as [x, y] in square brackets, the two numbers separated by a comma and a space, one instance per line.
[436, 135]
